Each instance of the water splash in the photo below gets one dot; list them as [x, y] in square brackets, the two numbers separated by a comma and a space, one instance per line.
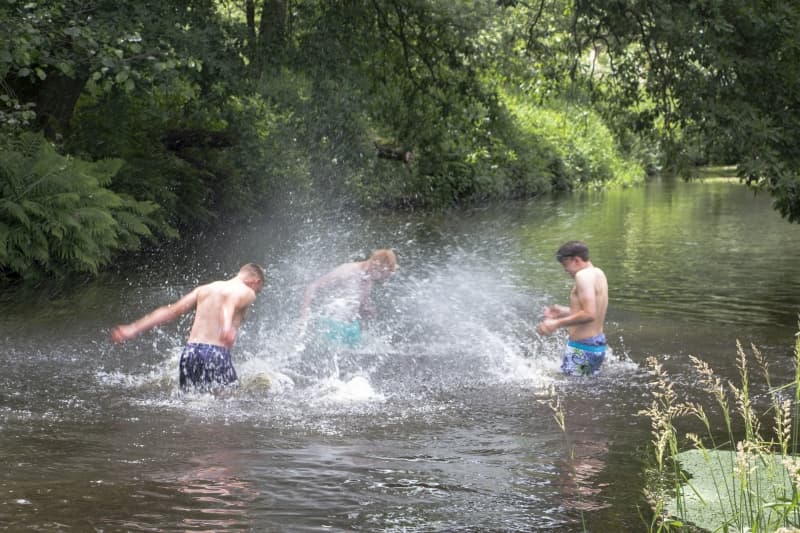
[459, 313]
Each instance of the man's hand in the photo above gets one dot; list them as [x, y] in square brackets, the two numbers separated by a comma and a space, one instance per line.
[547, 326]
[555, 311]
[228, 336]
[123, 333]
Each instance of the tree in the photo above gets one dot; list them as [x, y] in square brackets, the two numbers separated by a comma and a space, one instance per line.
[722, 72]
[52, 52]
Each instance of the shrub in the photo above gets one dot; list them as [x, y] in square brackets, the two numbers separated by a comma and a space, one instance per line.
[57, 215]
[586, 148]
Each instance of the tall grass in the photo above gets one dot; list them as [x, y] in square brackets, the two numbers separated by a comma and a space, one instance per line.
[744, 476]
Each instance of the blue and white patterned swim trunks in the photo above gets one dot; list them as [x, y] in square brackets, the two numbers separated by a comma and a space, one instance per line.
[206, 366]
[584, 357]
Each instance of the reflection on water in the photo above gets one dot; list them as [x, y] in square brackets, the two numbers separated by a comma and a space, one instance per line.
[434, 423]
[218, 499]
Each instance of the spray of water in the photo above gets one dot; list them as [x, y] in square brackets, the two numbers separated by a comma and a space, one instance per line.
[459, 313]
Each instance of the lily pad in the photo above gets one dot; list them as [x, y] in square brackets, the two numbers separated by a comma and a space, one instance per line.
[716, 494]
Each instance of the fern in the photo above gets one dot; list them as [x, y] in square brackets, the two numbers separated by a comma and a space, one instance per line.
[57, 214]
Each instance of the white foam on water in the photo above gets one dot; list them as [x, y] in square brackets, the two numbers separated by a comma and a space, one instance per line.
[618, 362]
[259, 376]
[160, 375]
[356, 389]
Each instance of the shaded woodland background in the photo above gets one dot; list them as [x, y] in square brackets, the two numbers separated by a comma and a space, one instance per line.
[128, 124]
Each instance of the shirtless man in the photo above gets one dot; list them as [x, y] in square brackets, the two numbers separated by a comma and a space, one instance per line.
[584, 318]
[219, 308]
[348, 302]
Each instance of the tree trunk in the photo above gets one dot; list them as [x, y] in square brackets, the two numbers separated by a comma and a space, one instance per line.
[55, 98]
[387, 151]
[272, 31]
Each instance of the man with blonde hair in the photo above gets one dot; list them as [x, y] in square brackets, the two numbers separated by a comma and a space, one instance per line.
[219, 309]
[349, 288]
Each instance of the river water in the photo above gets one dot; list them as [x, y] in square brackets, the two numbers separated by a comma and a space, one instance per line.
[440, 420]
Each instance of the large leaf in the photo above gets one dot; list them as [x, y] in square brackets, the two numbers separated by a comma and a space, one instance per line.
[717, 493]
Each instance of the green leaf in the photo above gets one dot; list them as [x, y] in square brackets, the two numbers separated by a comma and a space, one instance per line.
[715, 489]
[15, 211]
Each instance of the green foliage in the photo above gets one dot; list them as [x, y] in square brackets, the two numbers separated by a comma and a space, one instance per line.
[723, 74]
[427, 76]
[160, 136]
[587, 151]
[712, 472]
[267, 157]
[53, 52]
[311, 109]
[57, 214]
[130, 127]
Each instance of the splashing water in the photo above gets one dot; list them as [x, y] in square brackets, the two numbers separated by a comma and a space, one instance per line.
[453, 318]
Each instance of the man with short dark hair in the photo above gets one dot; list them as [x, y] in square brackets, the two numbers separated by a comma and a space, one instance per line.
[586, 314]
[219, 308]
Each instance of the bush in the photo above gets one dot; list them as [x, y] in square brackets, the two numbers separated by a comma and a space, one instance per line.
[588, 152]
[57, 215]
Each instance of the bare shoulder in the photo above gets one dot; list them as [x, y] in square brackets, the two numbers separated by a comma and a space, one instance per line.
[242, 292]
[348, 269]
[344, 272]
[598, 279]
[211, 288]
[591, 272]
[592, 276]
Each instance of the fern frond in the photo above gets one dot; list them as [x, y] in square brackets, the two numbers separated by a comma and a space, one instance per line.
[14, 213]
[57, 215]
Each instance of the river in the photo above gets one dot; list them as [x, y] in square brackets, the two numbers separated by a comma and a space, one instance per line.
[440, 420]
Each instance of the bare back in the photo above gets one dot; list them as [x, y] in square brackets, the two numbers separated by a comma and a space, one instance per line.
[347, 289]
[589, 295]
[220, 309]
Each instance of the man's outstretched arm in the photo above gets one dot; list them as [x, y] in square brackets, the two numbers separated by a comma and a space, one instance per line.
[163, 314]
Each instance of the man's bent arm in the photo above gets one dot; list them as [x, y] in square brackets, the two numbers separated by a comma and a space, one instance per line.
[337, 274]
[556, 311]
[587, 310]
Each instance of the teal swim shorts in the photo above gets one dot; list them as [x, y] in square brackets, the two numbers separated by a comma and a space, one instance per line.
[341, 332]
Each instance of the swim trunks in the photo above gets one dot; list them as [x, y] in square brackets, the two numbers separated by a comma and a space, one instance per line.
[205, 366]
[584, 357]
[340, 331]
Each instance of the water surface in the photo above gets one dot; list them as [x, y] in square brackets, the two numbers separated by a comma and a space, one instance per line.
[440, 421]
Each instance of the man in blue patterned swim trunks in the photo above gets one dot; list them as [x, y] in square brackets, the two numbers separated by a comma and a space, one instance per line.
[585, 316]
[219, 309]
[205, 366]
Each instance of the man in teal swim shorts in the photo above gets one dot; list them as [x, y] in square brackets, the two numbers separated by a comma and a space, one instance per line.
[585, 316]
[347, 302]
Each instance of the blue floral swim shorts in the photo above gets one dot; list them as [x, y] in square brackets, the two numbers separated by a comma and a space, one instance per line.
[584, 357]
